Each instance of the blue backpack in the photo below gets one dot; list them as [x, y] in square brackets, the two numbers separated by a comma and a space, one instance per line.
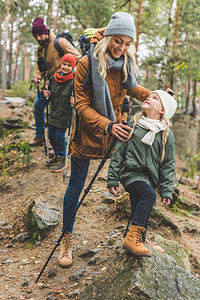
[67, 36]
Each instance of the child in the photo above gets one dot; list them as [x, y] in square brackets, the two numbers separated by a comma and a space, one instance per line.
[60, 94]
[144, 162]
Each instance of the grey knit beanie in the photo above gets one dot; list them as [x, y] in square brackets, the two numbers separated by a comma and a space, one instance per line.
[121, 23]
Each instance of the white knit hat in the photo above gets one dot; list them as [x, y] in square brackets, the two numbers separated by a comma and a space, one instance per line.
[168, 102]
[121, 23]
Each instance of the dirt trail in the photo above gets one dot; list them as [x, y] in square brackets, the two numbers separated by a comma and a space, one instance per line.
[98, 227]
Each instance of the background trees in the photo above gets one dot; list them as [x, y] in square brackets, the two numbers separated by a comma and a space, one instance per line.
[168, 38]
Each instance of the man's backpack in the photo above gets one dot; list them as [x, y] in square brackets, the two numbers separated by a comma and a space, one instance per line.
[67, 36]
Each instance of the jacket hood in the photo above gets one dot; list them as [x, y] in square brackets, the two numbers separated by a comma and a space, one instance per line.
[99, 35]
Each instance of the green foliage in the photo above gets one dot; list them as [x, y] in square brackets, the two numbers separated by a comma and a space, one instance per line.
[19, 89]
[192, 163]
[13, 157]
[25, 150]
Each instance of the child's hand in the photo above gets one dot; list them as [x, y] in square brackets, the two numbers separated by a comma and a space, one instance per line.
[166, 201]
[46, 93]
[72, 100]
[114, 190]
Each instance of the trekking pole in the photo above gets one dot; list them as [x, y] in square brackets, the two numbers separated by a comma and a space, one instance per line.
[47, 130]
[68, 141]
[126, 230]
[38, 92]
[86, 191]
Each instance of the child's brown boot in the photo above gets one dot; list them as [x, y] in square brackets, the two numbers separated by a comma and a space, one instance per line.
[65, 257]
[133, 242]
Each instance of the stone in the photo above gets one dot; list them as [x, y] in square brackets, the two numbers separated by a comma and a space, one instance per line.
[79, 273]
[14, 123]
[21, 237]
[89, 253]
[186, 128]
[158, 219]
[97, 260]
[191, 228]
[102, 209]
[178, 253]
[45, 215]
[157, 277]
[73, 294]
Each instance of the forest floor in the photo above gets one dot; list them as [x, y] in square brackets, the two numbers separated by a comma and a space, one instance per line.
[98, 226]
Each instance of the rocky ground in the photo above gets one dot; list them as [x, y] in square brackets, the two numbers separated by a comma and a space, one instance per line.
[98, 232]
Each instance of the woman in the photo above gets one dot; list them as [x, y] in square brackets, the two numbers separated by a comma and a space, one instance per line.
[102, 81]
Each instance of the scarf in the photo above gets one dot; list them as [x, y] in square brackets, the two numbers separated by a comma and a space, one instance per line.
[61, 77]
[101, 100]
[154, 126]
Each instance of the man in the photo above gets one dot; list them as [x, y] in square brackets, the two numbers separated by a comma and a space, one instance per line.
[48, 61]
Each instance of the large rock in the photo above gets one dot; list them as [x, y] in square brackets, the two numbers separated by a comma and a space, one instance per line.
[186, 128]
[176, 251]
[156, 278]
[158, 219]
[44, 215]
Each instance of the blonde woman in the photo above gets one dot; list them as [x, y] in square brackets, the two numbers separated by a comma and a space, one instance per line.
[103, 78]
[144, 162]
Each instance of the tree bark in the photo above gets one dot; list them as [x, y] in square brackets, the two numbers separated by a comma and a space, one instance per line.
[4, 52]
[56, 17]
[138, 27]
[10, 73]
[187, 101]
[194, 107]
[16, 61]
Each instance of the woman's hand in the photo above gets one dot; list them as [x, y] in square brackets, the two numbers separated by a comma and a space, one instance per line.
[120, 131]
[171, 91]
[72, 100]
[166, 201]
[46, 93]
[114, 190]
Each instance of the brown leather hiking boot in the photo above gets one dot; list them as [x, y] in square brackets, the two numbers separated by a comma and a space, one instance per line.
[37, 142]
[133, 242]
[65, 257]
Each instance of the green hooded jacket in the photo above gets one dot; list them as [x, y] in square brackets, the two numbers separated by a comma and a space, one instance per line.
[60, 109]
[135, 161]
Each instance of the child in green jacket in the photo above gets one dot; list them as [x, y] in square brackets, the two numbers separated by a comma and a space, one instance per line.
[60, 94]
[143, 163]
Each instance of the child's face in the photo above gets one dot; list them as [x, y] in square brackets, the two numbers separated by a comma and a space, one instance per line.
[153, 107]
[66, 67]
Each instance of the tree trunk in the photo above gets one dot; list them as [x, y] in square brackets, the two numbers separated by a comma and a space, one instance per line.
[10, 73]
[187, 100]
[138, 26]
[56, 17]
[49, 13]
[4, 52]
[16, 61]
[194, 107]
[198, 184]
[166, 46]
[27, 68]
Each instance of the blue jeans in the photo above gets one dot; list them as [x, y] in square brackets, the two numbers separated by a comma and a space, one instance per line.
[79, 171]
[39, 106]
[142, 197]
[57, 140]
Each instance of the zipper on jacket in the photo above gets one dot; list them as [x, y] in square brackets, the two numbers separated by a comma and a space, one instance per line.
[145, 161]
